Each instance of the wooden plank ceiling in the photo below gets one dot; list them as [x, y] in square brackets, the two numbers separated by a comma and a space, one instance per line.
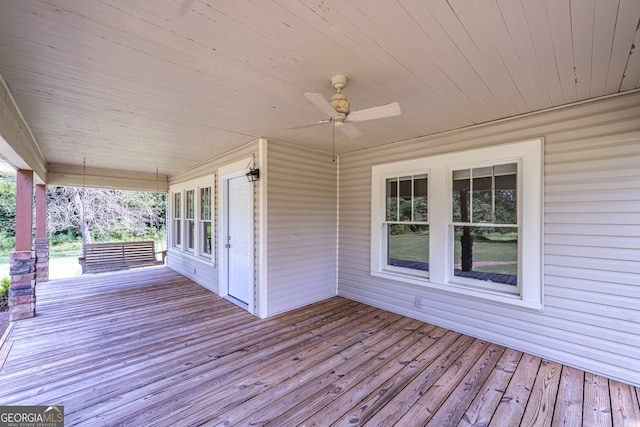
[145, 84]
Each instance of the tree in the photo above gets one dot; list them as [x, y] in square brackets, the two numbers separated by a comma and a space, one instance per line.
[7, 212]
[8, 203]
[104, 213]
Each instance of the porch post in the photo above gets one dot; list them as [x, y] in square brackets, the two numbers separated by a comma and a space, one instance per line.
[22, 296]
[41, 243]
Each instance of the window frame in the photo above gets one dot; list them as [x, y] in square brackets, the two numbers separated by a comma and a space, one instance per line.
[490, 286]
[183, 189]
[529, 155]
[386, 222]
[176, 221]
[190, 220]
[202, 223]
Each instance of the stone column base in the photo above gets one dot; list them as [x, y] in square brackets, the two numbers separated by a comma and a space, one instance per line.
[22, 291]
[41, 246]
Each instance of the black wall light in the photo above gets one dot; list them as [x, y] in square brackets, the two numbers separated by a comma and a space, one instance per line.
[253, 175]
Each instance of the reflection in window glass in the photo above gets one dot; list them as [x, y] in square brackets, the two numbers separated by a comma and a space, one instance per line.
[484, 211]
[487, 253]
[485, 195]
[407, 216]
[190, 220]
[420, 205]
[461, 195]
[177, 224]
[481, 195]
[408, 246]
[405, 199]
[392, 200]
[505, 199]
[205, 220]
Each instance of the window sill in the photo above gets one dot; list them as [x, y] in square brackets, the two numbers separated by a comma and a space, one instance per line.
[190, 254]
[401, 276]
[473, 293]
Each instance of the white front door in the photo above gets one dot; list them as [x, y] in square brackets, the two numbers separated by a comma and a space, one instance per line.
[239, 236]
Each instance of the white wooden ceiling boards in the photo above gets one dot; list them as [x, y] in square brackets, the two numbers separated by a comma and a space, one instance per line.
[143, 84]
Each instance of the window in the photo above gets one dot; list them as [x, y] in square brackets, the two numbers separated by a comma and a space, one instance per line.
[407, 222]
[205, 221]
[468, 222]
[177, 223]
[485, 224]
[190, 220]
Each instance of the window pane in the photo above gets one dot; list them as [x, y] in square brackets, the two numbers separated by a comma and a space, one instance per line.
[482, 206]
[205, 203]
[508, 169]
[206, 238]
[176, 205]
[177, 232]
[487, 253]
[408, 246]
[483, 172]
[405, 199]
[190, 204]
[420, 201]
[505, 200]
[462, 174]
[190, 234]
[392, 200]
[461, 196]
[492, 199]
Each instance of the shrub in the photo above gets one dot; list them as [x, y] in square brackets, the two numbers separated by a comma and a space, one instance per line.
[4, 292]
[7, 241]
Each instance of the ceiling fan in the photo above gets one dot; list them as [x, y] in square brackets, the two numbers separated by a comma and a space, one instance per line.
[339, 113]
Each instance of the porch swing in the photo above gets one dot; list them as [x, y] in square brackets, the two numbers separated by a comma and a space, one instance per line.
[116, 256]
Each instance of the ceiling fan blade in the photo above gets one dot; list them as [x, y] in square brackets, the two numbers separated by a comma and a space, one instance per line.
[321, 103]
[320, 122]
[372, 113]
[351, 130]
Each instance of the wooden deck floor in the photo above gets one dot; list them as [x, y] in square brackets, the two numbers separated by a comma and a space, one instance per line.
[149, 347]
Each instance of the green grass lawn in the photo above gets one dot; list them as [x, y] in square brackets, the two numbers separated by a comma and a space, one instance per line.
[410, 246]
[490, 251]
[415, 247]
[486, 251]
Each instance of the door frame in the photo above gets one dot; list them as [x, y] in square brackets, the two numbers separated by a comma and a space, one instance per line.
[226, 173]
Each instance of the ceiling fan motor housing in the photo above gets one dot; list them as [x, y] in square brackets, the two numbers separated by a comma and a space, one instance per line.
[339, 101]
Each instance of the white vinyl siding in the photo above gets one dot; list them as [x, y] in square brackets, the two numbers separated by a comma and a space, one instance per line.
[591, 238]
[301, 233]
[295, 207]
[526, 155]
[204, 269]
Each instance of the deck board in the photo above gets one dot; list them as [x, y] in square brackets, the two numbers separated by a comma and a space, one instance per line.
[150, 347]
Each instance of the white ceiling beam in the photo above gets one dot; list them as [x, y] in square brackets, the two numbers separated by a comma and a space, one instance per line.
[18, 146]
[79, 176]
